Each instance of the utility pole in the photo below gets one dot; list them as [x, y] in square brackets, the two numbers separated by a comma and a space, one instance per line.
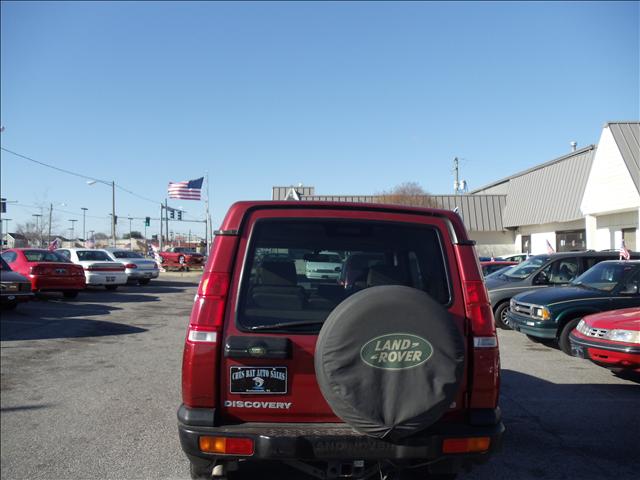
[50, 216]
[113, 210]
[456, 182]
[166, 218]
[84, 230]
[160, 232]
[73, 229]
[130, 239]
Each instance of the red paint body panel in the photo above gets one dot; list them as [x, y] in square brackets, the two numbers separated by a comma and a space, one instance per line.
[50, 280]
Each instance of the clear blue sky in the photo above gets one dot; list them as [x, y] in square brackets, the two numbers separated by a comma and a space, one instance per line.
[352, 98]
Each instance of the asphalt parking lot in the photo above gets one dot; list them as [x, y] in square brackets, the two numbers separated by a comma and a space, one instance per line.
[89, 389]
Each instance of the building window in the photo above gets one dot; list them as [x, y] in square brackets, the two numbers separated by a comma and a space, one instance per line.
[571, 241]
[629, 237]
[525, 246]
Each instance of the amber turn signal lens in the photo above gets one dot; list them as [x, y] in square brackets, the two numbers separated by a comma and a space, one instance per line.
[227, 445]
[466, 445]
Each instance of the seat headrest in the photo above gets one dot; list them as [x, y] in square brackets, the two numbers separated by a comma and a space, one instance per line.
[279, 273]
[385, 275]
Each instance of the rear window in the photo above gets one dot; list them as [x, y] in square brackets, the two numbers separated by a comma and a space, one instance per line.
[284, 286]
[93, 255]
[44, 256]
[127, 255]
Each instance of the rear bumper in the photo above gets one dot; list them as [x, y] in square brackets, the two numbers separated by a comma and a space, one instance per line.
[336, 441]
[58, 284]
[107, 278]
[141, 274]
[15, 297]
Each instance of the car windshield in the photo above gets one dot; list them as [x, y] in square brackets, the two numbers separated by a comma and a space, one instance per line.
[526, 268]
[605, 276]
[497, 273]
[44, 256]
[125, 254]
[280, 291]
[5, 265]
[93, 255]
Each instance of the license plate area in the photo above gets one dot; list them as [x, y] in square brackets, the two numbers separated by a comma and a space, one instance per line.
[111, 279]
[258, 380]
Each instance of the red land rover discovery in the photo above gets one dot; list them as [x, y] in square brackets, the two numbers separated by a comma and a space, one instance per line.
[396, 370]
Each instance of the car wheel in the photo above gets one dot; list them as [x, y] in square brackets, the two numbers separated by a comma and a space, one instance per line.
[111, 287]
[390, 340]
[501, 316]
[181, 260]
[199, 472]
[563, 338]
[69, 294]
[144, 281]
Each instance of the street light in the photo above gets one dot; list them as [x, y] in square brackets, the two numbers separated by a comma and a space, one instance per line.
[130, 239]
[37, 215]
[84, 231]
[113, 206]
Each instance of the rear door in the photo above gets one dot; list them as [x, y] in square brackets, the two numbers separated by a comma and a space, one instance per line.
[267, 367]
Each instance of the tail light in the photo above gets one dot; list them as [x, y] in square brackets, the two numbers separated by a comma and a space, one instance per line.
[485, 382]
[202, 345]
[130, 265]
[36, 270]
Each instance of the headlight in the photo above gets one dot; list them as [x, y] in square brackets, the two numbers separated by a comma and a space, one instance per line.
[628, 336]
[582, 327]
[541, 312]
[512, 303]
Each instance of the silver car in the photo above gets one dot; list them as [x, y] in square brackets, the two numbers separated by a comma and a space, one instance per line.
[14, 288]
[137, 267]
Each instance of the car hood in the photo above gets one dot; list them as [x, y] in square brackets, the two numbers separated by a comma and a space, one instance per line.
[9, 276]
[547, 296]
[626, 319]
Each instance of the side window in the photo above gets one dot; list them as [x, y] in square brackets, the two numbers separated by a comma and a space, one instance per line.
[591, 261]
[631, 286]
[10, 257]
[561, 271]
[64, 253]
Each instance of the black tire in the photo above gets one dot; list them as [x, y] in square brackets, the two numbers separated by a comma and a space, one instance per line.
[144, 281]
[111, 287]
[391, 340]
[198, 472]
[501, 316]
[70, 294]
[181, 259]
[563, 338]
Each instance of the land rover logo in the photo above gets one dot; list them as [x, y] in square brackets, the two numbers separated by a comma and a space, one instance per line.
[396, 351]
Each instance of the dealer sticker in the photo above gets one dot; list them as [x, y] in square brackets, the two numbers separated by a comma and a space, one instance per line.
[396, 351]
[258, 380]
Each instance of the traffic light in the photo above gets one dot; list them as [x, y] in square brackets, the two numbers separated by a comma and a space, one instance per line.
[179, 214]
[115, 219]
[147, 221]
[172, 214]
[3, 205]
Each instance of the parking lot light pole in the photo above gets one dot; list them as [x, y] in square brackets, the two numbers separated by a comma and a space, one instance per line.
[38, 233]
[113, 206]
[73, 228]
[84, 231]
[130, 239]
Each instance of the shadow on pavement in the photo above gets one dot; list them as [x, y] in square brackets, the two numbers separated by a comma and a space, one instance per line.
[24, 407]
[49, 320]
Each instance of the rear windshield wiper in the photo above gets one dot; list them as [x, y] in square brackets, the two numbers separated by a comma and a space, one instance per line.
[300, 323]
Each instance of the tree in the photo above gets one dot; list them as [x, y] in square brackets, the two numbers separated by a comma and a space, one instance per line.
[100, 236]
[407, 193]
[134, 234]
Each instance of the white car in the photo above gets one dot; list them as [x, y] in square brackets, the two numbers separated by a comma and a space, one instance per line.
[137, 267]
[323, 265]
[99, 268]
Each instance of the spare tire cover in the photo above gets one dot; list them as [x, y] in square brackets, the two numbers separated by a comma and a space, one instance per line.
[389, 360]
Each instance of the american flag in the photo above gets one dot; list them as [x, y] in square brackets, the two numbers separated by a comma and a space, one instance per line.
[187, 190]
[550, 249]
[625, 254]
[55, 243]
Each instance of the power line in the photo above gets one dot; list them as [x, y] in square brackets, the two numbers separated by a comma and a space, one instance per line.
[80, 175]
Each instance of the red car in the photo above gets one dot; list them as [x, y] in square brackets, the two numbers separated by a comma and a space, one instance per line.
[495, 265]
[609, 339]
[182, 257]
[48, 271]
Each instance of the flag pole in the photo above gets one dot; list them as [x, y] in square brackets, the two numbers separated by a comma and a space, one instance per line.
[207, 228]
